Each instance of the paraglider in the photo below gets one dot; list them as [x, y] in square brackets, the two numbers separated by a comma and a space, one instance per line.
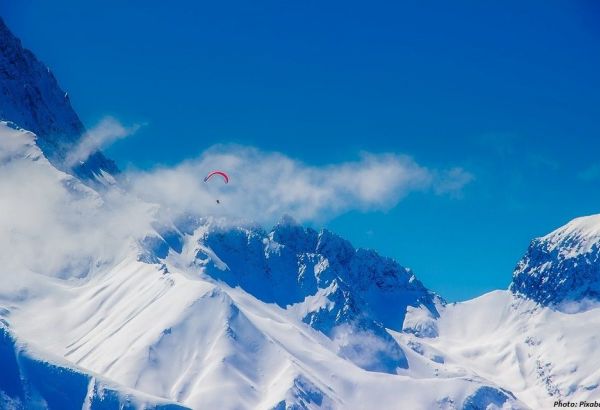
[221, 174]
[216, 172]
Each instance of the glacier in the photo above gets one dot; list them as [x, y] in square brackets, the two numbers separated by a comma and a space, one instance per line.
[108, 301]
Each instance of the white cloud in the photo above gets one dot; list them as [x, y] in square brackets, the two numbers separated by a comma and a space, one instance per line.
[366, 349]
[105, 133]
[266, 185]
[53, 224]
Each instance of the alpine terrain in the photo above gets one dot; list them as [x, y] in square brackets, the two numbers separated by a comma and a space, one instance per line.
[109, 301]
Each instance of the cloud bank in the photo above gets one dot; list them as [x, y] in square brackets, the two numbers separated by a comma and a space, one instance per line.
[53, 224]
[266, 185]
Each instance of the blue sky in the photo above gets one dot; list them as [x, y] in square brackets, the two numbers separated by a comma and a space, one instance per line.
[508, 91]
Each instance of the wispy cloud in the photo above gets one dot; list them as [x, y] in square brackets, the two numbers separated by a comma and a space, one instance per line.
[265, 185]
[106, 132]
[451, 181]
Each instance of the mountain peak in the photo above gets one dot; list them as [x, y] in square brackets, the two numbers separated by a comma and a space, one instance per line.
[32, 99]
[563, 265]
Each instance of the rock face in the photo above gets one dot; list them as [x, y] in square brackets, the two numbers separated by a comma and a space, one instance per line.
[31, 98]
[562, 266]
[300, 262]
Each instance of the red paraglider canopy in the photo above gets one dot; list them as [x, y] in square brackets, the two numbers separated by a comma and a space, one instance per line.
[221, 173]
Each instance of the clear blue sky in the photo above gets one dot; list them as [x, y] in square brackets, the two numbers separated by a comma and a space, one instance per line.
[508, 90]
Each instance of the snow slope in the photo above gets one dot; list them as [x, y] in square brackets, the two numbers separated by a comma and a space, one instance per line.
[538, 353]
[30, 381]
[539, 339]
[206, 345]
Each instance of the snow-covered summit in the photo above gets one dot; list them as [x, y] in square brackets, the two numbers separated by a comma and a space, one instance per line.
[319, 276]
[300, 262]
[31, 98]
[562, 266]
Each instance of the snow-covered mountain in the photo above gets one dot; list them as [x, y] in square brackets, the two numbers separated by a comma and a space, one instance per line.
[341, 291]
[32, 98]
[108, 301]
[203, 314]
[538, 340]
[563, 266]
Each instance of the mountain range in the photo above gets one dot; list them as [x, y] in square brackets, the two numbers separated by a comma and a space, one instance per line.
[108, 301]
